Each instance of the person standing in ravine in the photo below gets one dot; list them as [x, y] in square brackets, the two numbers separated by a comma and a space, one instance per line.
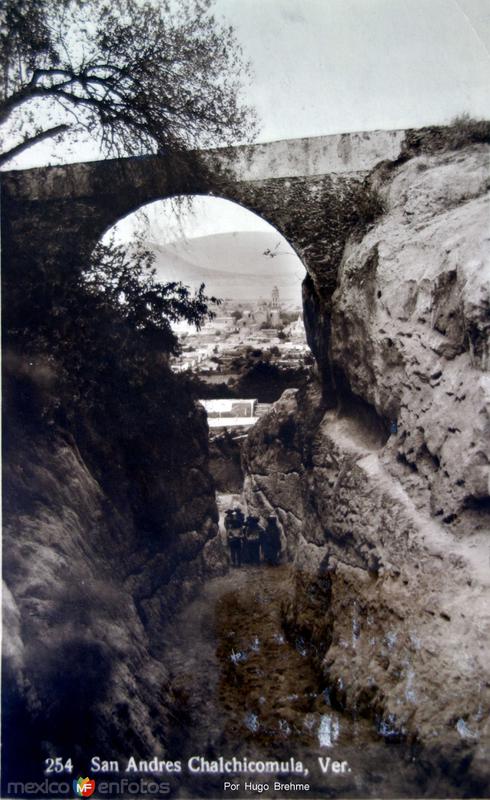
[234, 526]
[272, 541]
[252, 532]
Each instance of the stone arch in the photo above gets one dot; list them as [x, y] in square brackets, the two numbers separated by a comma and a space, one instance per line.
[68, 209]
[51, 217]
[214, 208]
[231, 195]
[56, 215]
[50, 214]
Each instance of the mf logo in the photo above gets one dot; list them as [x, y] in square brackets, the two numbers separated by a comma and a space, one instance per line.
[84, 787]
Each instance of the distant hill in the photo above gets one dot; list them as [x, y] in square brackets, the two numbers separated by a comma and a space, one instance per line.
[233, 265]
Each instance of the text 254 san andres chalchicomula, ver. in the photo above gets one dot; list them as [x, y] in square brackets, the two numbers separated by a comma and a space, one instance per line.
[200, 765]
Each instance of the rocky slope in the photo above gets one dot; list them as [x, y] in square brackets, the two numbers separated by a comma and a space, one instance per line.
[224, 461]
[88, 589]
[388, 523]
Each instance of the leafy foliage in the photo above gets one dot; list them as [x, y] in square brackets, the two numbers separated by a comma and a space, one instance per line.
[140, 76]
[107, 328]
[267, 381]
[125, 285]
[93, 363]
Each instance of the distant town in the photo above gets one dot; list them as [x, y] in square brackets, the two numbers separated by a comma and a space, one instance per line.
[263, 325]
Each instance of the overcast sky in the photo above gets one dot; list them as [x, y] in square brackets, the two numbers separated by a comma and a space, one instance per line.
[333, 66]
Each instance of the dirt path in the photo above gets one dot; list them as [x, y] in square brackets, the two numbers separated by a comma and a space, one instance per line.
[349, 434]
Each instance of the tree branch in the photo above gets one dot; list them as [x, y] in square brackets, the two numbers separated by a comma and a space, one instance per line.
[38, 137]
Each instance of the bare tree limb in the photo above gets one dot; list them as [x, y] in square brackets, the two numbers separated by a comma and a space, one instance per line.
[27, 143]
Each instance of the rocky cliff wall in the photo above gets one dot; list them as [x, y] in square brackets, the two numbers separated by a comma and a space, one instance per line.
[88, 589]
[410, 329]
[384, 499]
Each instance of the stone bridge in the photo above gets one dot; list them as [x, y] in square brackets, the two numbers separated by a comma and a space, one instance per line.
[308, 189]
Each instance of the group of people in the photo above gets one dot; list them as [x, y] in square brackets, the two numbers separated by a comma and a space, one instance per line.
[249, 542]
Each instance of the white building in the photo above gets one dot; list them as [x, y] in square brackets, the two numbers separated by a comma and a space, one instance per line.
[230, 413]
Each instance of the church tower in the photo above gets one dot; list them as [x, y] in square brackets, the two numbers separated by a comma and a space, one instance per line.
[275, 321]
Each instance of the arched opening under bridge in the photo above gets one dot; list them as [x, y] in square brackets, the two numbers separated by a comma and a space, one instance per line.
[254, 346]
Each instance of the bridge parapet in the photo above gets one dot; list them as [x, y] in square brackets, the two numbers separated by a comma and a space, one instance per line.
[315, 156]
[337, 154]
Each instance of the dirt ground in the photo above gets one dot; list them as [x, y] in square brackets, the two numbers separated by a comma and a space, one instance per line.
[241, 688]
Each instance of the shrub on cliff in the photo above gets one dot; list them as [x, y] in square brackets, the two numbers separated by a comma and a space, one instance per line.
[367, 205]
[462, 132]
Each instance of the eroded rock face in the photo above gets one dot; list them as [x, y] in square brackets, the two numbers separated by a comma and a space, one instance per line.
[395, 519]
[88, 593]
[411, 329]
